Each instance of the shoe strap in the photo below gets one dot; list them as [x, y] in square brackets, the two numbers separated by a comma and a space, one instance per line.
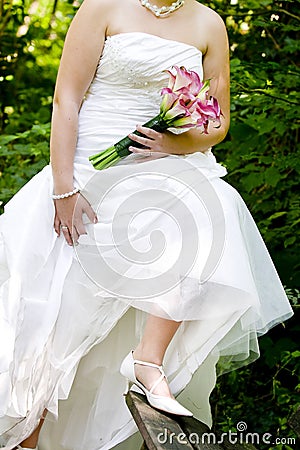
[25, 448]
[155, 366]
[159, 380]
[144, 363]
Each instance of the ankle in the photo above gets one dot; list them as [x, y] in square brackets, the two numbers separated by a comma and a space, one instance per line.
[148, 355]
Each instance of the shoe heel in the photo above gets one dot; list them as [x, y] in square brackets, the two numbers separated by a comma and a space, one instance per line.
[128, 386]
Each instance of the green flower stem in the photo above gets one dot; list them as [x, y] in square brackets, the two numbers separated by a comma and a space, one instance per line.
[114, 153]
[109, 151]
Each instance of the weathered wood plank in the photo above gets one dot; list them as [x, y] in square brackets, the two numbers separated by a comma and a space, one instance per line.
[159, 431]
[198, 434]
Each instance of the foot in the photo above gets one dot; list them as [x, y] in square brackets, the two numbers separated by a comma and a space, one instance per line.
[148, 377]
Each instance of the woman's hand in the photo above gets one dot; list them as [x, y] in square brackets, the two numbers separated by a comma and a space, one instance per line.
[158, 144]
[162, 144]
[68, 217]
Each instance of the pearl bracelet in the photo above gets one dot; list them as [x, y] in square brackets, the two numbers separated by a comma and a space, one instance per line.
[67, 194]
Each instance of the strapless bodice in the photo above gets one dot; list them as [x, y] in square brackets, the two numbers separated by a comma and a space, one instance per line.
[137, 61]
[127, 85]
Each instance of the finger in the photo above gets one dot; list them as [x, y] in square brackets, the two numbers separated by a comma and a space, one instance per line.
[140, 140]
[148, 132]
[88, 210]
[141, 151]
[80, 228]
[57, 225]
[159, 155]
[74, 235]
[67, 236]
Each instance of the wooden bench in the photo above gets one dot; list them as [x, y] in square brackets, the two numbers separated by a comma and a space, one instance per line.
[166, 432]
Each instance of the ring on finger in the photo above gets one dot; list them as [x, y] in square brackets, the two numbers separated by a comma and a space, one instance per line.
[64, 227]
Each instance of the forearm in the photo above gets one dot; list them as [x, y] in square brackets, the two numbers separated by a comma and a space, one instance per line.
[62, 144]
[195, 141]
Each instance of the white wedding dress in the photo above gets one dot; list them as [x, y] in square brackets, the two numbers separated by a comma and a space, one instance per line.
[172, 238]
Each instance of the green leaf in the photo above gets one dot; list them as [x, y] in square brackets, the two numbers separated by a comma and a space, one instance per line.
[289, 241]
[277, 215]
[272, 176]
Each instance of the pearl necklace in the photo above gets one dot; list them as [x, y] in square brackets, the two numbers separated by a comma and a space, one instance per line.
[164, 10]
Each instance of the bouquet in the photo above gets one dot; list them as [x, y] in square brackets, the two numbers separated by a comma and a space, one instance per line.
[185, 104]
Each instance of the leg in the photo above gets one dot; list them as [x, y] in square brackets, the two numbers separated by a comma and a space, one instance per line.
[32, 440]
[156, 338]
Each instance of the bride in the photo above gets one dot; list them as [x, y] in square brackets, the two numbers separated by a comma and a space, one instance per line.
[156, 258]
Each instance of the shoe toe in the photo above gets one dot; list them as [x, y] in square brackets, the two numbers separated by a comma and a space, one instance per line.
[171, 406]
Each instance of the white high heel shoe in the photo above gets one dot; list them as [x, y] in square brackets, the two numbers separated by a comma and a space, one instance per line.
[160, 402]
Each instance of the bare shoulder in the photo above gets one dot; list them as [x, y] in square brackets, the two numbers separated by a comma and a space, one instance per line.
[95, 16]
[211, 28]
[210, 17]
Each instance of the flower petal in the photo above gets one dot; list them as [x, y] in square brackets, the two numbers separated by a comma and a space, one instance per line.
[178, 110]
[184, 122]
[172, 79]
[183, 79]
[169, 98]
[202, 94]
[210, 109]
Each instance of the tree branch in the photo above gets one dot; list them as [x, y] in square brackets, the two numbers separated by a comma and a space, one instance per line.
[262, 91]
[284, 11]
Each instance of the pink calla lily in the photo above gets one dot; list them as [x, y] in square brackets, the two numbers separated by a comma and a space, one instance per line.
[178, 110]
[172, 79]
[182, 79]
[216, 107]
[169, 98]
[202, 94]
[188, 99]
[184, 122]
[185, 81]
[210, 109]
[194, 84]
[206, 110]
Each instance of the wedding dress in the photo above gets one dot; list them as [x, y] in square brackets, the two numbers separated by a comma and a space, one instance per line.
[172, 238]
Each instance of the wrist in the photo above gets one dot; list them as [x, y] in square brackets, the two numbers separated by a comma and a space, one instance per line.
[61, 189]
[60, 186]
[66, 194]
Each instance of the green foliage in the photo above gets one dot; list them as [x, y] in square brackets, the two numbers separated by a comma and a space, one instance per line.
[32, 35]
[22, 155]
[265, 393]
[31, 42]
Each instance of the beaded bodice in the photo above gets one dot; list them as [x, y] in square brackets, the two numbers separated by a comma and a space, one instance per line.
[127, 85]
